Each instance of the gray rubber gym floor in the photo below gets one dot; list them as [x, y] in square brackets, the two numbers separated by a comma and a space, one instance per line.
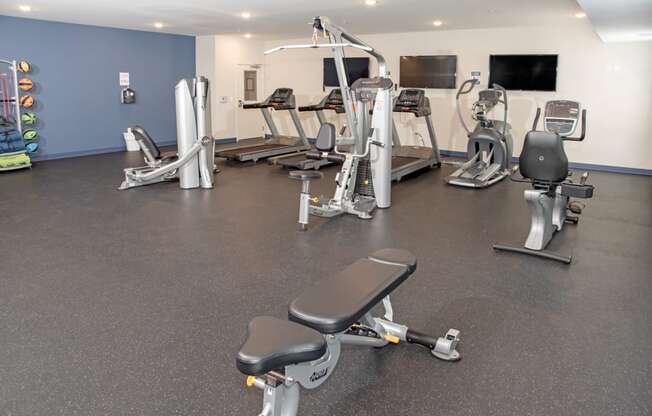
[136, 302]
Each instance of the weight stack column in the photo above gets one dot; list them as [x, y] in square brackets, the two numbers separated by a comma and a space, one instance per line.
[381, 157]
[207, 153]
[186, 134]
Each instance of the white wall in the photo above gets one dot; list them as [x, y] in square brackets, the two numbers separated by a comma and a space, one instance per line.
[611, 80]
[217, 58]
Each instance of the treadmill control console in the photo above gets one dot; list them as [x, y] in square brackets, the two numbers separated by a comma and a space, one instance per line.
[412, 101]
[561, 117]
[334, 101]
[281, 99]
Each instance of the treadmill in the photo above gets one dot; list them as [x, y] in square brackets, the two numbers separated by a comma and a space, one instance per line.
[281, 99]
[333, 101]
[409, 159]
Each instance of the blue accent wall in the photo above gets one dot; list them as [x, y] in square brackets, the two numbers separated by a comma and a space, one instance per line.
[76, 69]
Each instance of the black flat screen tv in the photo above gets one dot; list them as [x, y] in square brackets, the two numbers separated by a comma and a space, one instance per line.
[355, 68]
[524, 72]
[437, 71]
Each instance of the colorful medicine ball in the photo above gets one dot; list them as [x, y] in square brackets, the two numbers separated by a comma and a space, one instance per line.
[30, 134]
[25, 84]
[24, 66]
[28, 118]
[27, 101]
[31, 147]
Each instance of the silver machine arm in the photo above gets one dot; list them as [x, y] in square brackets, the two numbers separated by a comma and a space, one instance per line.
[378, 147]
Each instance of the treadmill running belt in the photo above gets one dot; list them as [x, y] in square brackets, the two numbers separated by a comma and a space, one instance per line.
[293, 160]
[398, 161]
[249, 149]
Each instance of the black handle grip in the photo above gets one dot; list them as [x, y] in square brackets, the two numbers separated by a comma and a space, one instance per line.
[415, 337]
[583, 134]
[536, 119]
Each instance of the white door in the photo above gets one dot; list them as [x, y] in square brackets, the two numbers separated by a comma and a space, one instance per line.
[249, 89]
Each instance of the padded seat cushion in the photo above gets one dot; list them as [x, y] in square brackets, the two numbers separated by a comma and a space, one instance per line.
[147, 145]
[334, 304]
[543, 157]
[273, 343]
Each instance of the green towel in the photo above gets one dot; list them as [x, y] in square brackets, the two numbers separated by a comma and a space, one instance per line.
[14, 161]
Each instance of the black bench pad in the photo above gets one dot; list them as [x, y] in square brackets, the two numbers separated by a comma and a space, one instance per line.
[334, 304]
[273, 343]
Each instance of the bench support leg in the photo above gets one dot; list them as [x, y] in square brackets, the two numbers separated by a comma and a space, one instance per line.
[279, 399]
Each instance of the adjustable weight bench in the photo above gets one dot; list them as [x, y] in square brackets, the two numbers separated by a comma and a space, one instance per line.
[278, 356]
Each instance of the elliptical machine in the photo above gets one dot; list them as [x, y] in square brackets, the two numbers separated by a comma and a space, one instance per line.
[194, 165]
[490, 146]
[544, 164]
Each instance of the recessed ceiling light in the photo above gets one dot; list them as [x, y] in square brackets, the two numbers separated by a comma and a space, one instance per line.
[580, 15]
[158, 25]
[245, 15]
[370, 2]
[247, 35]
[25, 8]
[437, 23]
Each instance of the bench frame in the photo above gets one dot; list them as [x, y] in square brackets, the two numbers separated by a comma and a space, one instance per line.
[281, 390]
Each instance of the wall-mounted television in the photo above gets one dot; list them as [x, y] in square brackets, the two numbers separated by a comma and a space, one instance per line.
[437, 71]
[355, 68]
[524, 72]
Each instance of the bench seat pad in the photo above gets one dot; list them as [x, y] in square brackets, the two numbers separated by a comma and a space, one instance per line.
[334, 304]
[274, 343]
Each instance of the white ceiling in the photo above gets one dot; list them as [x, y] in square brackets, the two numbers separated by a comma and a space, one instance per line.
[620, 20]
[279, 18]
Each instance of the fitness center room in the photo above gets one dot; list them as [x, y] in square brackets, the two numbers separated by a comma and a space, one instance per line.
[352, 207]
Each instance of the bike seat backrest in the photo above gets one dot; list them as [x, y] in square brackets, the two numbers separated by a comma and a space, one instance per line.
[326, 137]
[543, 157]
[147, 145]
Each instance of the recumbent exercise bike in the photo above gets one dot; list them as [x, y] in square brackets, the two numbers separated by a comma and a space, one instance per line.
[544, 164]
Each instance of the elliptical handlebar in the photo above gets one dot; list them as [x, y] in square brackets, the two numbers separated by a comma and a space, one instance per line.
[504, 101]
[461, 91]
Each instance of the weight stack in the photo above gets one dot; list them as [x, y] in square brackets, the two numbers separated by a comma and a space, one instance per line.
[364, 184]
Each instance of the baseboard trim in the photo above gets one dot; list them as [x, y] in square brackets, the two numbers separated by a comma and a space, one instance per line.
[573, 165]
[611, 169]
[445, 153]
[115, 149]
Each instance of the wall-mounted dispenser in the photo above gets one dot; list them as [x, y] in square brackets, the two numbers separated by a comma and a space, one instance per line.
[127, 96]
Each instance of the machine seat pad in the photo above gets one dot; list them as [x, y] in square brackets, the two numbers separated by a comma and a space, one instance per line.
[274, 343]
[334, 304]
[305, 175]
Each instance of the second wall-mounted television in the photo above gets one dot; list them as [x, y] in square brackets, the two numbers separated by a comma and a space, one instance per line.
[355, 68]
[436, 71]
[524, 72]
